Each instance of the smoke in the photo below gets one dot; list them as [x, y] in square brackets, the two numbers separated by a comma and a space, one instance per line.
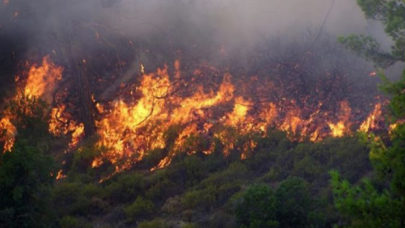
[233, 23]
[160, 29]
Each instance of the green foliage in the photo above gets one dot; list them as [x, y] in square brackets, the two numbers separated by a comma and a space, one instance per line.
[202, 199]
[157, 223]
[25, 184]
[161, 189]
[368, 207]
[30, 118]
[289, 206]
[295, 207]
[153, 157]
[257, 208]
[392, 14]
[72, 222]
[189, 225]
[195, 170]
[76, 199]
[139, 209]
[125, 187]
[369, 48]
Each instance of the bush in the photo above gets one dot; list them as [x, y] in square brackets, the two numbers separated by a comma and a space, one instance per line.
[161, 189]
[25, 187]
[200, 199]
[125, 187]
[139, 209]
[72, 222]
[293, 203]
[75, 198]
[157, 223]
[195, 170]
[189, 225]
[289, 206]
[257, 208]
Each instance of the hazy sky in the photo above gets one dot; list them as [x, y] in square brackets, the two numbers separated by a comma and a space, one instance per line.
[234, 21]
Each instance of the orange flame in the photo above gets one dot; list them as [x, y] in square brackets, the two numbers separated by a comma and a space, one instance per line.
[130, 129]
[60, 175]
[40, 83]
[42, 80]
[61, 123]
[10, 132]
[372, 120]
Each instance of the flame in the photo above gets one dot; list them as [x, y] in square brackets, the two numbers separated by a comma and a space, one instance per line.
[371, 122]
[40, 83]
[42, 80]
[60, 175]
[292, 121]
[338, 130]
[239, 113]
[10, 131]
[61, 123]
[203, 118]
[142, 68]
[130, 128]
[343, 126]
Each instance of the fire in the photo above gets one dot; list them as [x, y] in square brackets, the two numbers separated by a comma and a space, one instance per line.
[239, 113]
[42, 80]
[292, 121]
[9, 133]
[338, 130]
[142, 68]
[343, 126]
[61, 123]
[371, 122]
[60, 175]
[130, 128]
[40, 83]
[165, 111]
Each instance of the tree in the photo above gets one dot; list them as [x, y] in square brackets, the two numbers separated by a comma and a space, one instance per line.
[289, 206]
[25, 184]
[27, 171]
[368, 205]
[294, 204]
[257, 208]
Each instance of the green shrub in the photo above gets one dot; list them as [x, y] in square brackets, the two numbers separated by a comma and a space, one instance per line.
[257, 208]
[125, 187]
[157, 223]
[308, 168]
[289, 206]
[75, 198]
[293, 203]
[161, 189]
[200, 199]
[195, 170]
[235, 172]
[72, 222]
[189, 225]
[139, 209]
[25, 187]
[153, 157]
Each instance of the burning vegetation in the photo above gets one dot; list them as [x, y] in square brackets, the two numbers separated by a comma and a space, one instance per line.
[187, 114]
[182, 110]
